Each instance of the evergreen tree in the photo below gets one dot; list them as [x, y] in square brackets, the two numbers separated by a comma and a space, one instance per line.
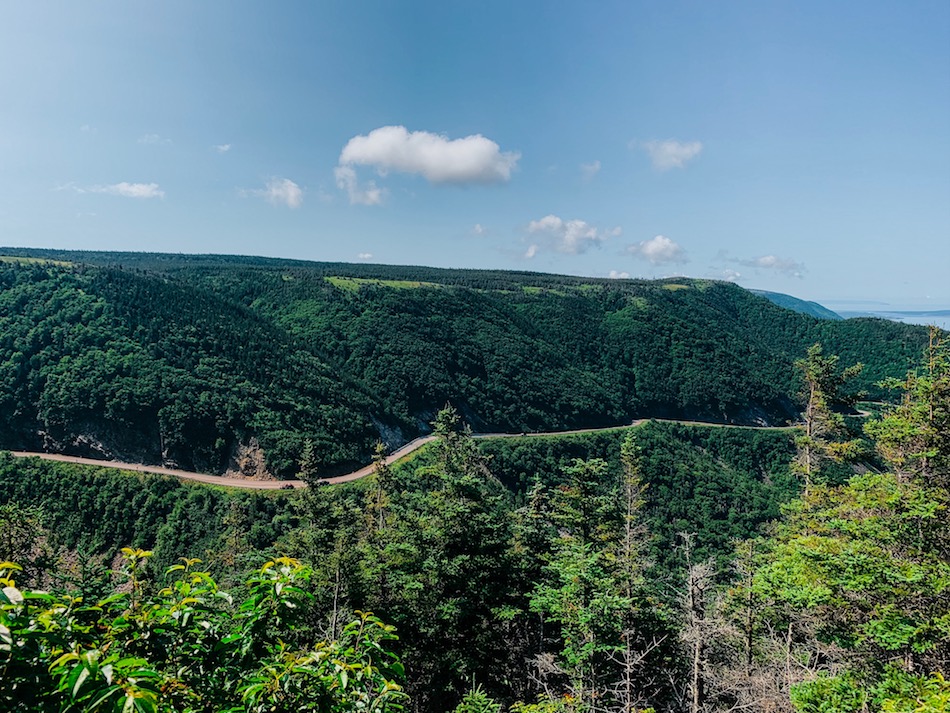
[824, 434]
[862, 570]
[592, 589]
[914, 436]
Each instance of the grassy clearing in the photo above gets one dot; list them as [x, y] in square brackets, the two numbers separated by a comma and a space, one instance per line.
[353, 284]
[534, 290]
[33, 261]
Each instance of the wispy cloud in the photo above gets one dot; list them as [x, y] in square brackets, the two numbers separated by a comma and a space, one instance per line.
[569, 236]
[618, 275]
[659, 250]
[154, 140]
[479, 229]
[670, 153]
[785, 265]
[364, 256]
[278, 191]
[367, 194]
[394, 149]
[589, 170]
[124, 189]
[222, 148]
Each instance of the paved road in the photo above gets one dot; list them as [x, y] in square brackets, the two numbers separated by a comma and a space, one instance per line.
[355, 475]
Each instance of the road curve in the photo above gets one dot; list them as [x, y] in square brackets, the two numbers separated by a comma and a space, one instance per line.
[396, 455]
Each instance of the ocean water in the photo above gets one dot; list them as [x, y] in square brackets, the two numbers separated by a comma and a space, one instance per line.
[939, 318]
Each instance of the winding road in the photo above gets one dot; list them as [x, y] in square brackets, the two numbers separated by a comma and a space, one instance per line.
[396, 455]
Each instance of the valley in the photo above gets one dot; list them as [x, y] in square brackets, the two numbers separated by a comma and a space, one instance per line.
[161, 417]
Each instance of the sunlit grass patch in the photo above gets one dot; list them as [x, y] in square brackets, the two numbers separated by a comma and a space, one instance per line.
[33, 261]
[352, 284]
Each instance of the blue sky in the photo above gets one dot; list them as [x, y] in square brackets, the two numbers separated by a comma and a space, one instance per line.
[802, 147]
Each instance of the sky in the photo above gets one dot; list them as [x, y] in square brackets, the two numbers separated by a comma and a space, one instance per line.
[801, 147]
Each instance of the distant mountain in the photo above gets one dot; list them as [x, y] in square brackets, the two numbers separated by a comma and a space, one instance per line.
[218, 363]
[796, 305]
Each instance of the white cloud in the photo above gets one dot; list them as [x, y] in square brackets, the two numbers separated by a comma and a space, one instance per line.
[222, 148]
[124, 189]
[154, 139]
[278, 191]
[730, 275]
[589, 170]
[616, 275]
[369, 194]
[571, 236]
[670, 153]
[364, 256]
[85, 128]
[659, 250]
[531, 251]
[473, 159]
[787, 266]
[479, 229]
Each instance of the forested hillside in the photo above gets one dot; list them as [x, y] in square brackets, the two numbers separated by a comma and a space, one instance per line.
[206, 362]
[631, 570]
[449, 545]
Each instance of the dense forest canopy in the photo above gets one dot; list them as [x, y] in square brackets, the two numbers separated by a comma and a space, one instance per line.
[195, 360]
[450, 558]
[530, 573]
[654, 567]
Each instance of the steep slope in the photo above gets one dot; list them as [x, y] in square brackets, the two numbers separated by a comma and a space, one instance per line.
[189, 359]
[105, 363]
[797, 305]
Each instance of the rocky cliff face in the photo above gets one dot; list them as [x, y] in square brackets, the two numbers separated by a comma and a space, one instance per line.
[247, 461]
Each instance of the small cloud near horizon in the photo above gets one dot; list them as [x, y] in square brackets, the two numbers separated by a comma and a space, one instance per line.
[589, 170]
[278, 191]
[670, 153]
[123, 188]
[569, 236]
[154, 140]
[659, 250]
[367, 194]
[786, 266]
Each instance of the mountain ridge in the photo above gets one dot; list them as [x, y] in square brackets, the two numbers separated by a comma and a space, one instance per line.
[182, 360]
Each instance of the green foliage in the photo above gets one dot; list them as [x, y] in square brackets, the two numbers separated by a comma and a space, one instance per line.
[829, 694]
[186, 649]
[897, 692]
[859, 573]
[92, 512]
[915, 435]
[901, 692]
[477, 701]
[185, 359]
[824, 436]
[104, 362]
[720, 483]
[870, 560]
